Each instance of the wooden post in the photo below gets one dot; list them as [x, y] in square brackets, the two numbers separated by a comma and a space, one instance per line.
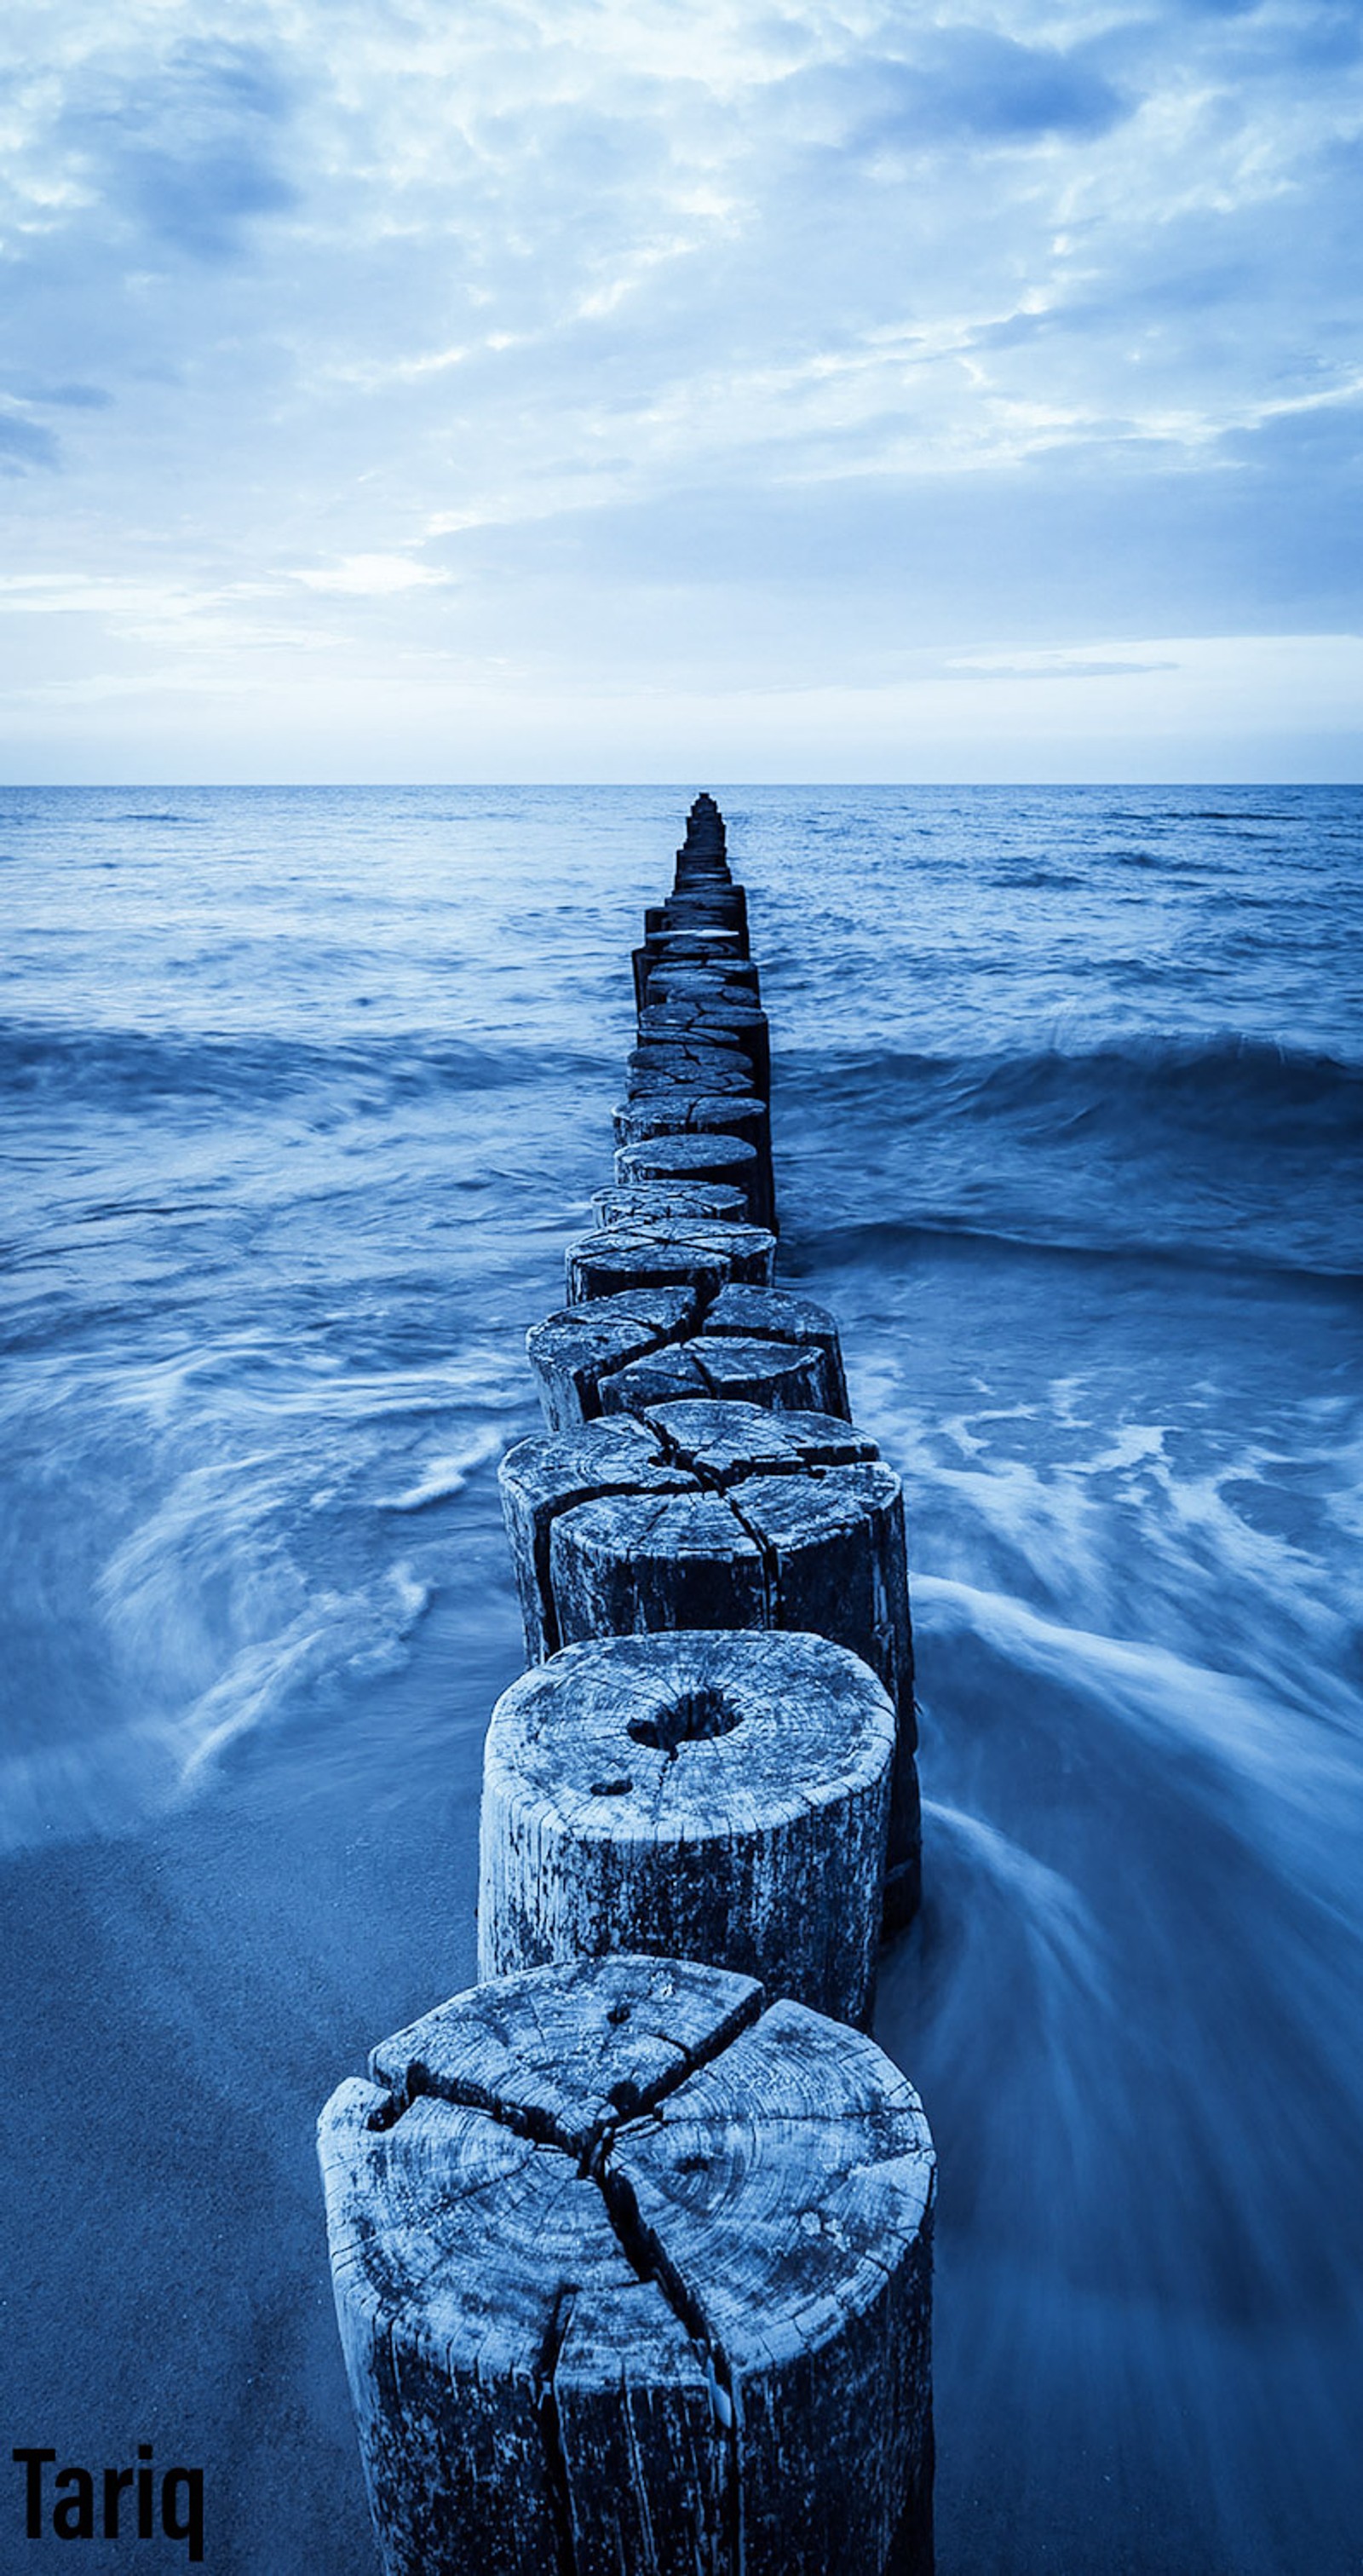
[680, 1448]
[682, 1252]
[541, 1477]
[714, 982]
[690, 1111]
[770, 1551]
[671, 952]
[688, 1108]
[710, 1071]
[634, 1563]
[719, 1022]
[729, 979]
[655, 1202]
[818, 1551]
[721, 1442]
[637, 1348]
[791, 1377]
[775, 1314]
[711, 1064]
[708, 944]
[696, 1158]
[707, 1796]
[633, 2279]
[676, 1046]
[570, 1352]
[700, 906]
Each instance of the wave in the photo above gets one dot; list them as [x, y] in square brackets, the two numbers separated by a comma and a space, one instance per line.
[1291, 1758]
[446, 1477]
[125, 1069]
[1235, 814]
[1225, 1082]
[1224, 1151]
[886, 1242]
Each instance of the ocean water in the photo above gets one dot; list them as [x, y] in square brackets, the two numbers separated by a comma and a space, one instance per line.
[304, 1092]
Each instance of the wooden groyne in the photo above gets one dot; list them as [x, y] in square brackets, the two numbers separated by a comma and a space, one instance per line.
[631, 2243]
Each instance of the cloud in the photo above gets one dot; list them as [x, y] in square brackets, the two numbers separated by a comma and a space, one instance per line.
[187, 151]
[74, 397]
[24, 444]
[200, 204]
[1054, 666]
[374, 576]
[969, 82]
[615, 342]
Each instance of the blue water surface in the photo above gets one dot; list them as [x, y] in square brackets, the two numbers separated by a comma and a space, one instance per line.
[304, 1091]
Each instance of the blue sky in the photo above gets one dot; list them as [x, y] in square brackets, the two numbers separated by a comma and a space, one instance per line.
[632, 390]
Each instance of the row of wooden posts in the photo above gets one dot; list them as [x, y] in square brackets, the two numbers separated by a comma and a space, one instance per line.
[631, 2243]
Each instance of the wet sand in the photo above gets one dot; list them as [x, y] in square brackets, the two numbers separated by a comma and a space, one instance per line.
[177, 2007]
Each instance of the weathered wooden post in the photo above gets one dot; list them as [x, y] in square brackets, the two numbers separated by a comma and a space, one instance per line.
[723, 1442]
[680, 1448]
[697, 1158]
[655, 1202]
[669, 952]
[711, 983]
[676, 1110]
[711, 1020]
[684, 1252]
[539, 1478]
[790, 1552]
[775, 1314]
[687, 1108]
[711, 979]
[714, 1070]
[633, 2278]
[710, 1796]
[572, 1351]
[621, 1353]
[701, 905]
[734, 1518]
[789, 1376]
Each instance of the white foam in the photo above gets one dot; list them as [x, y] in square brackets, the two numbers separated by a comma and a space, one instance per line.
[1149, 1687]
[446, 1476]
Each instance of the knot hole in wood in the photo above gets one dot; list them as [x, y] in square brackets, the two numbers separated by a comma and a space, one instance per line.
[693, 1718]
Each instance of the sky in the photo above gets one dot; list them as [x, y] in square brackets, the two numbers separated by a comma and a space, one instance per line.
[668, 389]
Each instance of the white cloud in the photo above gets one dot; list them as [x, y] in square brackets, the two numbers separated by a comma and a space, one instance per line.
[374, 576]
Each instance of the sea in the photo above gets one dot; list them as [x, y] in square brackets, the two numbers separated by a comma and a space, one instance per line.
[304, 1093]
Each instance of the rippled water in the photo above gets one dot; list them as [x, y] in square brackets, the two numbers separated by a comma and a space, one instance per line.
[304, 1091]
